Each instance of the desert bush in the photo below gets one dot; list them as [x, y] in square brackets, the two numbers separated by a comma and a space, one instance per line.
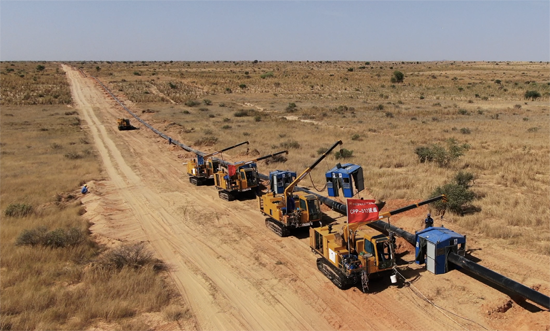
[465, 131]
[267, 75]
[243, 86]
[397, 77]
[72, 156]
[207, 102]
[389, 114]
[291, 107]
[533, 95]
[437, 153]
[343, 154]
[206, 141]
[192, 103]
[458, 194]
[19, 210]
[132, 256]
[57, 238]
[226, 127]
[31, 237]
[290, 144]
[355, 137]
[321, 150]
[258, 118]
[241, 113]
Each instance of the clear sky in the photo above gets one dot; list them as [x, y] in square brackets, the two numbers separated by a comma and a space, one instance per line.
[275, 30]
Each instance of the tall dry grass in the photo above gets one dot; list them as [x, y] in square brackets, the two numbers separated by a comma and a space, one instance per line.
[45, 158]
[33, 83]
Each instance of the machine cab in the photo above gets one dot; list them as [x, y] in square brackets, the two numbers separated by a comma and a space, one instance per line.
[310, 205]
[348, 177]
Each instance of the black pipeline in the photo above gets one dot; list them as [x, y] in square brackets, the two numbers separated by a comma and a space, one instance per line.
[458, 260]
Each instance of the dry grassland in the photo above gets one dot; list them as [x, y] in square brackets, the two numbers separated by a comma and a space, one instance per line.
[53, 275]
[482, 105]
[33, 83]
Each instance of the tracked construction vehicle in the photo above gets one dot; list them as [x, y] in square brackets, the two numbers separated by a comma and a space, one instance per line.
[352, 254]
[288, 210]
[202, 168]
[239, 178]
[124, 124]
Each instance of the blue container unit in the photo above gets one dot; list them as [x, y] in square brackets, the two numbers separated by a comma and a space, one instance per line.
[346, 176]
[280, 179]
[433, 246]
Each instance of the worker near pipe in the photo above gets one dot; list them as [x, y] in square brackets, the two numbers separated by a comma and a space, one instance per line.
[429, 221]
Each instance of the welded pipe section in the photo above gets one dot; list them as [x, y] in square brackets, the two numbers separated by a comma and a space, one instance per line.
[499, 279]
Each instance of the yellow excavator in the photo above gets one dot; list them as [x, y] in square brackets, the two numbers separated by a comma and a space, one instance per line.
[202, 168]
[353, 254]
[235, 179]
[291, 210]
[124, 124]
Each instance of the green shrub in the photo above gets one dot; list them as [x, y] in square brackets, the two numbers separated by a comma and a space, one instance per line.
[437, 153]
[533, 95]
[18, 210]
[243, 86]
[458, 194]
[192, 103]
[73, 156]
[226, 127]
[131, 256]
[290, 144]
[343, 154]
[267, 75]
[322, 150]
[40, 67]
[31, 237]
[258, 118]
[207, 102]
[137, 73]
[241, 113]
[291, 108]
[355, 137]
[397, 77]
[57, 238]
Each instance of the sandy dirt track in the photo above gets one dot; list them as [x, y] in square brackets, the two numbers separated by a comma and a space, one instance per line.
[237, 275]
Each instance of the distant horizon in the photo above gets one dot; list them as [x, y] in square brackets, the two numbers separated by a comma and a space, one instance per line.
[420, 31]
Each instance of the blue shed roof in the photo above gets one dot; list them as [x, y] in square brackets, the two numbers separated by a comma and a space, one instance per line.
[346, 168]
[438, 234]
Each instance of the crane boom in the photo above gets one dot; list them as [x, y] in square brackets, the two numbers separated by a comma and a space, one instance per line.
[225, 149]
[290, 188]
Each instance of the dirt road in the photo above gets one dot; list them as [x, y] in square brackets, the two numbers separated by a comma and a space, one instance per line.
[232, 271]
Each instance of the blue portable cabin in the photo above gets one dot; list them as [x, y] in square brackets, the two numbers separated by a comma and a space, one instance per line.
[433, 246]
[346, 176]
[280, 179]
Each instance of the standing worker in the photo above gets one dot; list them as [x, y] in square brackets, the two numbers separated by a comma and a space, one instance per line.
[428, 222]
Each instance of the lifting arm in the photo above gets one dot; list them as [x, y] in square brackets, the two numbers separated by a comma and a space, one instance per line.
[290, 188]
[201, 159]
